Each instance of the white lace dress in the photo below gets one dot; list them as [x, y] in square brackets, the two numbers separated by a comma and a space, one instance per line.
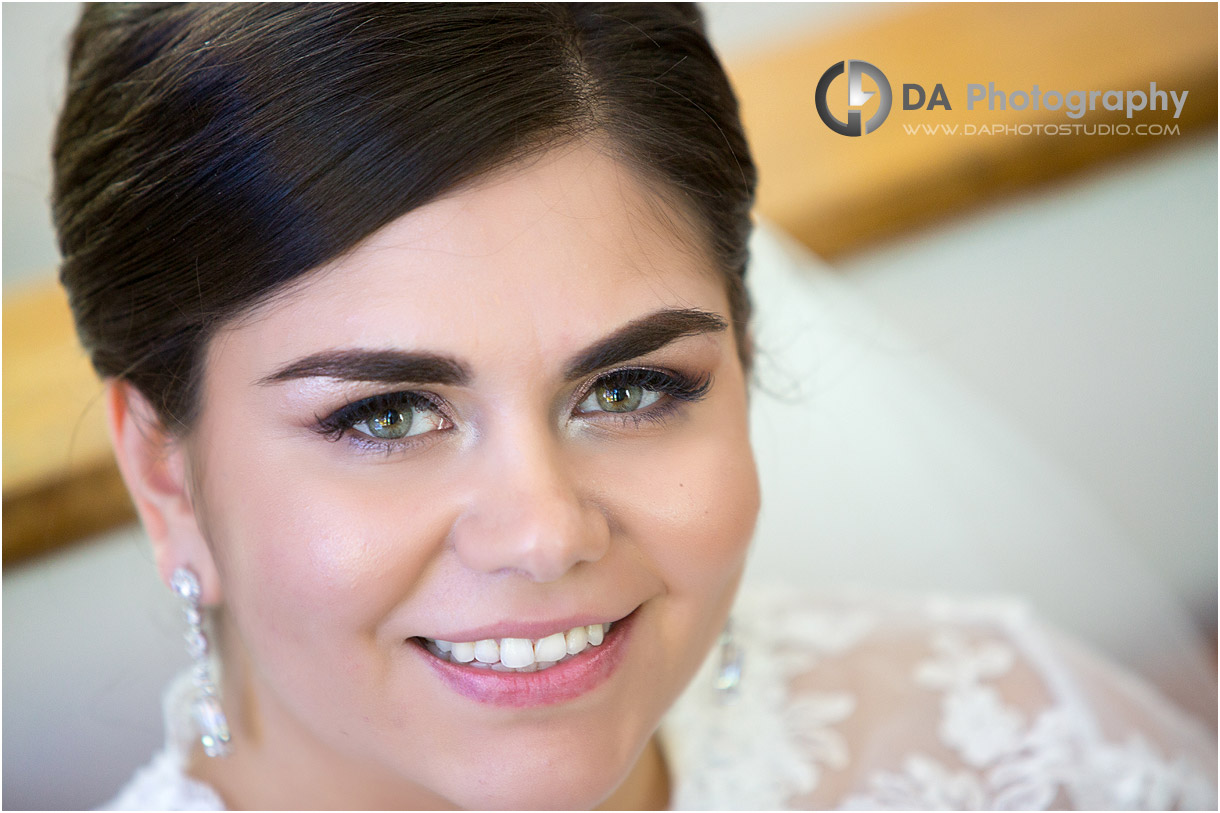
[865, 701]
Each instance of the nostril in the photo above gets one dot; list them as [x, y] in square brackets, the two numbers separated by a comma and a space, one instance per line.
[539, 546]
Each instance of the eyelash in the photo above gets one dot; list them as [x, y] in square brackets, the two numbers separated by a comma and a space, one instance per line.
[678, 387]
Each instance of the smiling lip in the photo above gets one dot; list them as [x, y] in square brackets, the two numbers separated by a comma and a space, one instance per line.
[565, 681]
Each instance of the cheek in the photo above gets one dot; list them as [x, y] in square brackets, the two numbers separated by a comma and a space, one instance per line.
[304, 548]
[687, 508]
[690, 503]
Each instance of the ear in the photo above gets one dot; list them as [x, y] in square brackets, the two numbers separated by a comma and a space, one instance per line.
[154, 466]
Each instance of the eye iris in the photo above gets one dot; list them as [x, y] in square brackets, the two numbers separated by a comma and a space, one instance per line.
[390, 424]
[619, 399]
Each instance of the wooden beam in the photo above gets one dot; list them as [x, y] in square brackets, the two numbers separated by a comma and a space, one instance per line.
[60, 480]
[81, 503]
[839, 194]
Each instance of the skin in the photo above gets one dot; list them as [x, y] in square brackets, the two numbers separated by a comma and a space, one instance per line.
[323, 556]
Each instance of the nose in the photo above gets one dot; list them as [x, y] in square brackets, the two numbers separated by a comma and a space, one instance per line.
[526, 512]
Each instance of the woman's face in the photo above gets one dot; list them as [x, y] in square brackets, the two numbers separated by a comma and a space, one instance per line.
[515, 412]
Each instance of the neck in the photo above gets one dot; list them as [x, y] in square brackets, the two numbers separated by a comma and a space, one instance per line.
[647, 786]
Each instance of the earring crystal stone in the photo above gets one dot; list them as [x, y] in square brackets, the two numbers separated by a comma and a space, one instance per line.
[728, 673]
[209, 717]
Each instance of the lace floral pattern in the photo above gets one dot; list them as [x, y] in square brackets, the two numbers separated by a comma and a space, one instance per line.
[1010, 763]
[766, 745]
[775, 747]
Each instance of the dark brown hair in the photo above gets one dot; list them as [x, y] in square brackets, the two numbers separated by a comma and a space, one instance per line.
[207, 155]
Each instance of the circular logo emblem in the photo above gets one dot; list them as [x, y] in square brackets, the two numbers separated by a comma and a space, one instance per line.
[856, 97]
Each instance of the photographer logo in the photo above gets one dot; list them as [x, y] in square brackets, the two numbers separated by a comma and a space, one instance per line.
[857, 96]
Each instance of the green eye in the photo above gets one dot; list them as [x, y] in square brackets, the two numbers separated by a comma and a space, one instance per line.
[614, 398]
[391, 419]
[390, 424]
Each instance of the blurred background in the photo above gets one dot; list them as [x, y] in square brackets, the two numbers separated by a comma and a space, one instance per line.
[986, 363]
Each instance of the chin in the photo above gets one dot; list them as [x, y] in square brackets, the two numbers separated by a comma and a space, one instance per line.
[568, 770]
[554, 795]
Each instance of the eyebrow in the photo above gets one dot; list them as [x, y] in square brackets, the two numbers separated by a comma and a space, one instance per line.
[642, 336]
[636, 338]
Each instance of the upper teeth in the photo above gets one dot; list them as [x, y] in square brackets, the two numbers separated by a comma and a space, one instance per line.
[520, 654]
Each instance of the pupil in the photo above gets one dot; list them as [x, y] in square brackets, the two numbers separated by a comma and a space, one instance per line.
[390, 424]
[620, 399]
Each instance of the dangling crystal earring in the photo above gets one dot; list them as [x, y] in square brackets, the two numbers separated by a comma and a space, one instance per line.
[728, 674]
[209, 717]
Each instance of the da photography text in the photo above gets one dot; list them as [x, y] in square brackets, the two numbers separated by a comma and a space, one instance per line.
[1073, 104]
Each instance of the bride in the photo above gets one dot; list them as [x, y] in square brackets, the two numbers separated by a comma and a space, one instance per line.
[428, 354]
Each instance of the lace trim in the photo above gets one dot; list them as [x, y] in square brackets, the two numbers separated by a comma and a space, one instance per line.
[766, 747]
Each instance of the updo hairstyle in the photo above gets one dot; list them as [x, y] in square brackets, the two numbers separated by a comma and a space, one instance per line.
[208, 155]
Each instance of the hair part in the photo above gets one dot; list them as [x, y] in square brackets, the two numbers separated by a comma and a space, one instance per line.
[208, 155]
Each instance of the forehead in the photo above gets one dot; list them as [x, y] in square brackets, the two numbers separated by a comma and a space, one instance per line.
[540, 258]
